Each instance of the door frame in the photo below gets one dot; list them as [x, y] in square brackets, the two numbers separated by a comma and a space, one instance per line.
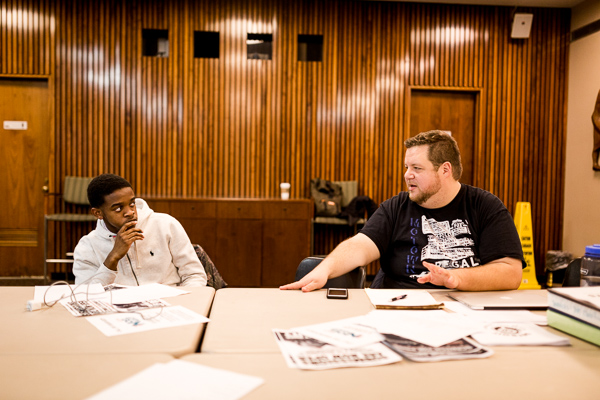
[52, 119]
[478, 149]
[51, 184]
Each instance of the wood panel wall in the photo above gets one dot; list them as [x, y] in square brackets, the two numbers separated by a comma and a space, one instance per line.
[233, 127]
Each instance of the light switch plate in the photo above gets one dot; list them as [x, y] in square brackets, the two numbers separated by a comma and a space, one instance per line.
[15, 125]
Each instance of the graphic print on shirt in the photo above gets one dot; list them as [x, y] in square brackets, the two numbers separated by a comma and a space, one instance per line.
[445, 245]
[413, 257]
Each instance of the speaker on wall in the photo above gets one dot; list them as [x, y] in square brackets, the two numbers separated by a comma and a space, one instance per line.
[521, 26]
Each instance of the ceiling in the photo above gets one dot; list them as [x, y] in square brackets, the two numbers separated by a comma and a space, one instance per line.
[512, 3]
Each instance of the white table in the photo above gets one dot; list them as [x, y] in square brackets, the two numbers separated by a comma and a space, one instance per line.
[55, 331]
[241, 319]
[67, 376]
[512, 373]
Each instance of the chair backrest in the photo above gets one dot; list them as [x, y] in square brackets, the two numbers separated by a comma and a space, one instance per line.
[75, 190]
[349, 191]
[213, 277]
[354, 279]
[573, 273]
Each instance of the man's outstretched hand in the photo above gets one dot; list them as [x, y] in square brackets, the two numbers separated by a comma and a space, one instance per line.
[439, 276]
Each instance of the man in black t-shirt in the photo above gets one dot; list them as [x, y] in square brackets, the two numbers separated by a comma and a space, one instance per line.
[440, 233]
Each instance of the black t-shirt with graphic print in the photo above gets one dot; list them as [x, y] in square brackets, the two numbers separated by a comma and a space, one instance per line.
[474, 229]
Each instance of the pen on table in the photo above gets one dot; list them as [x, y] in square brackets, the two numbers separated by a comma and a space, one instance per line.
[402, 296]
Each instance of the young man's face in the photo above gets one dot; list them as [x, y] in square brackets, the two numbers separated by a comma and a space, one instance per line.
[118, 209]
[421, 177]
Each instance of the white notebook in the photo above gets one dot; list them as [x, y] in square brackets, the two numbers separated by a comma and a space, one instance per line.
[403, 299]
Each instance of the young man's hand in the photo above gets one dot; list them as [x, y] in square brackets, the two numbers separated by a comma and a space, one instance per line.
[128, 234]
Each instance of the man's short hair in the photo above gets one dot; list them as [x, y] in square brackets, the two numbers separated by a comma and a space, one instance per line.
[103, 185]
[442, 148]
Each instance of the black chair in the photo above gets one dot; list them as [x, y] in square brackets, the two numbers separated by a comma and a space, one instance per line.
[573, 273]
[354, 279]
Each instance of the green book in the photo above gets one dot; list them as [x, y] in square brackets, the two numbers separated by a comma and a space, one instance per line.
[575, 327]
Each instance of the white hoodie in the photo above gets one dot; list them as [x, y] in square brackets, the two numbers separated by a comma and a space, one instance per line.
[165, 255]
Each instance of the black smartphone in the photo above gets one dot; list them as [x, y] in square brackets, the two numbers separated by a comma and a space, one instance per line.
[334, 293]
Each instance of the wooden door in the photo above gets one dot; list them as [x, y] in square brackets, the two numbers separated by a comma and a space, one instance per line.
[448, 110]
[23, 172]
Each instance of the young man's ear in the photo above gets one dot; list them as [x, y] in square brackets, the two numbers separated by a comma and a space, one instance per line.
[96, 212]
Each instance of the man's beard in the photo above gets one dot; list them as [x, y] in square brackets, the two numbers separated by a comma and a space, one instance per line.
[422, 197]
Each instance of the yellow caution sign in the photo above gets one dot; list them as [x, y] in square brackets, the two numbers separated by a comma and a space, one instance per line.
[525, 230]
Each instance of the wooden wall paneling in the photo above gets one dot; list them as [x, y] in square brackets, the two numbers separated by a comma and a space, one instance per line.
[303, 93]
[192, 111]
[133, 80]
[26, 30]
[10, 41]
[17, 37]
[4, 53]
[224, 59]
[236, 127]
[373, 107]
[196, 110]
[27, 40]
[357, 99]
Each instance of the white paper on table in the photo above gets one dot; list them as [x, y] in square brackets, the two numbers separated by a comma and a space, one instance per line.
[496, 315]
[431, 327]
[155, 318]
[346, 333]
[94, 291]
[518, 334]
[86, 308]
[179, 379]
[414, 297]
[303, 352]
[134, 294]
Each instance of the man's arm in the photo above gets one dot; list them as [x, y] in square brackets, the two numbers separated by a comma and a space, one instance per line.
[501, 274]
[87, 268]
[355, 252]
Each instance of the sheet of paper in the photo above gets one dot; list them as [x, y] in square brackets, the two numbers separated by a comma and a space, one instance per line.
[156, 318]
[405, 298]
[431, 327]
[182, 380]
[303, 352]
[54, 293]
[347, 333]
[86, 308]
[518, 334]
[460, 349]
[135, 294]
[496, 315]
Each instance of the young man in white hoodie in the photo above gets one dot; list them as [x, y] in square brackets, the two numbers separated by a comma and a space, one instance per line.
[133, 245]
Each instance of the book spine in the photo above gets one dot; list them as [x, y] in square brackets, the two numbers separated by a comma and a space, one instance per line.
[574, 327]
[574, 309]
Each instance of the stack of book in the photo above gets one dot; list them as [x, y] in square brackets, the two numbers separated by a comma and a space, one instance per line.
[576, 311]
